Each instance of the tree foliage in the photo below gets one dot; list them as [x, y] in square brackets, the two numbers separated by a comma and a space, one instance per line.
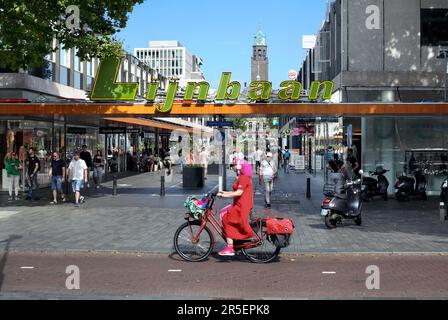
[27, 28]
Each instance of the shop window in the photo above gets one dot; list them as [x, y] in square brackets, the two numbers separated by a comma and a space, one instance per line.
[433, 27]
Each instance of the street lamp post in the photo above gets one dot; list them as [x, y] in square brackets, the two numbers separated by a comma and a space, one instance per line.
[443, 54]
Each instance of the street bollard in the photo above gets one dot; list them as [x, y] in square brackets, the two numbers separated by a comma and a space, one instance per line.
[308, 188]
[442, 207]
[114, 186]
[162, 186]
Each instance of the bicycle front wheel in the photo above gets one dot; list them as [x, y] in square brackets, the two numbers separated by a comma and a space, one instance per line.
[266, 251]
[189, 248]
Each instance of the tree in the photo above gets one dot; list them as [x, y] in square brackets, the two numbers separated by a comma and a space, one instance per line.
[27, 29]
[239, 123]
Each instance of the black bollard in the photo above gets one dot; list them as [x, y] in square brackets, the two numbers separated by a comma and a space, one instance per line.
[308, 188]
[162, 186]
[114, 186]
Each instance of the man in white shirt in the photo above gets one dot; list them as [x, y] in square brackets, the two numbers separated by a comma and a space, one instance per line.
[267, 172]
[78, 175]
[257, 157]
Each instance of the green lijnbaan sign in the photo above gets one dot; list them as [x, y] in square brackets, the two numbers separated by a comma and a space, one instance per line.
[105, 87]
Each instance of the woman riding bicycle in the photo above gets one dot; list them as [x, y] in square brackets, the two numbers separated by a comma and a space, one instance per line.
[236, 222]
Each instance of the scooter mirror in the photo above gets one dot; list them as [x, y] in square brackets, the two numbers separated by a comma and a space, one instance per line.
[361, 172]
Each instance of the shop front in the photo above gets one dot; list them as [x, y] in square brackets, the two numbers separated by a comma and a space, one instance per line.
[405, 145]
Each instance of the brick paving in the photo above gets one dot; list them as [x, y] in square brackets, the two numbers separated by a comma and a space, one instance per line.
[139, 220]
[148, 276]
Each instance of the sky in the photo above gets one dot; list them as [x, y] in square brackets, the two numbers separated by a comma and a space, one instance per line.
[221, 32]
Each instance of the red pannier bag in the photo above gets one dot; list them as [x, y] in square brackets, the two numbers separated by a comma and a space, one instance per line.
[279, 231]
[279, 226]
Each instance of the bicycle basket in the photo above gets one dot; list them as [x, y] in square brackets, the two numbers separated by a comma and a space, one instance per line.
[196, 207]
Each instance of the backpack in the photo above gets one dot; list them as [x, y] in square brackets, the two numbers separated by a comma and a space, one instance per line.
[287, 155]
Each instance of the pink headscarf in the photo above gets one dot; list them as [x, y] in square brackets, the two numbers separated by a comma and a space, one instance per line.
[246, 168]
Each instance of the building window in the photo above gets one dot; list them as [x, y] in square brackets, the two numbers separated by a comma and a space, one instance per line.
[433, 27]
[64, 76]
[77, 84]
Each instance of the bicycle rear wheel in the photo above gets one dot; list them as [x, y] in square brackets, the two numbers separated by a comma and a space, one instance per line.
[266, 251]
[189, 250]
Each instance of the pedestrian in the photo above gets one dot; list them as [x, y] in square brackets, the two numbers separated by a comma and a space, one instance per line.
[13, 168]
[203, 158]
[257, 156]
[267, 172]
[286, 157]
[87, 157]
[33, 164]
[98, 169]
[57, 177]
[236, 222]
[78, 172]
[351, 158]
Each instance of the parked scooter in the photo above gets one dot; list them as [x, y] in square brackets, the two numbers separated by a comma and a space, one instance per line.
[444, 192]
[375, 187]
[345, 205]
[407, 187]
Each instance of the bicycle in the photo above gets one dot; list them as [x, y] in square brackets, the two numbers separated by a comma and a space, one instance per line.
[194, 245]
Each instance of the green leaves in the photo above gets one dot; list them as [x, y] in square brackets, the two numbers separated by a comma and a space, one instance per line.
[27, 29]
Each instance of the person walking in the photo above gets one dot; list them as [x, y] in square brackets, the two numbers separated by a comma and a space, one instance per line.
[235, 223]
[267, 172]
[78, 172]
[87, 157]
[257, 156]
[286, 157]
[33, 169]
[13, 168]
[98, 169]
[57, 177]
[203, 158]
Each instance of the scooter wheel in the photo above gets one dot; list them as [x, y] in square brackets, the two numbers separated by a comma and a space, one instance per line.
[358, 220]
[330, 223]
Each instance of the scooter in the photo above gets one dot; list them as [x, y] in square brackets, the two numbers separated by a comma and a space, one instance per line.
[407, 187]
[375, 187]
[347, 205]
[444, 192]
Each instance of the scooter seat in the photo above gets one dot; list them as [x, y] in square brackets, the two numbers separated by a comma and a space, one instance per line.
[342, 196]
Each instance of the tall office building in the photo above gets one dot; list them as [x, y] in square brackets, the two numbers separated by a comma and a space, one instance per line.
[260, 61]
[171, 59]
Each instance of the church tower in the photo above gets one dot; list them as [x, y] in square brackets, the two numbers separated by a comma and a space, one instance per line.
[260, 61]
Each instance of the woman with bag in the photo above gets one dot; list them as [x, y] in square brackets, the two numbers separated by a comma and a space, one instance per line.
[13, 173]
[98, 167]
[236, 221]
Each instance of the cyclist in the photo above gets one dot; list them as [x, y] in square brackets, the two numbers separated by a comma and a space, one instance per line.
[236, 221]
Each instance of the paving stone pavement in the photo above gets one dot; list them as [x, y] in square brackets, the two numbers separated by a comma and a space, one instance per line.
[139, 220]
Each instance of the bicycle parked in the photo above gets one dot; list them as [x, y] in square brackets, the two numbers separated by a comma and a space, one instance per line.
[194, 240]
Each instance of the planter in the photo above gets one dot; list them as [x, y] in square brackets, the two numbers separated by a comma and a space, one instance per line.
[213, 168]
[193, 177]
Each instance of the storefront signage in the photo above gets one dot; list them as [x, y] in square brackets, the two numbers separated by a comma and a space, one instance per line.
[76, 130]
[105, 87]
[133, 131]
[220, 124]
[112, 130]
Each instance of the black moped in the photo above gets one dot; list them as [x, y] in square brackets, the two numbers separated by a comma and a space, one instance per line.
[407, 187]
[372, 187]
[344, 205]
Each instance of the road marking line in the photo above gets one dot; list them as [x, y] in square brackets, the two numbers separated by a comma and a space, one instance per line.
[328, 272]
[174, 270]
[173, 186]
[26, 267]
[7, 214]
